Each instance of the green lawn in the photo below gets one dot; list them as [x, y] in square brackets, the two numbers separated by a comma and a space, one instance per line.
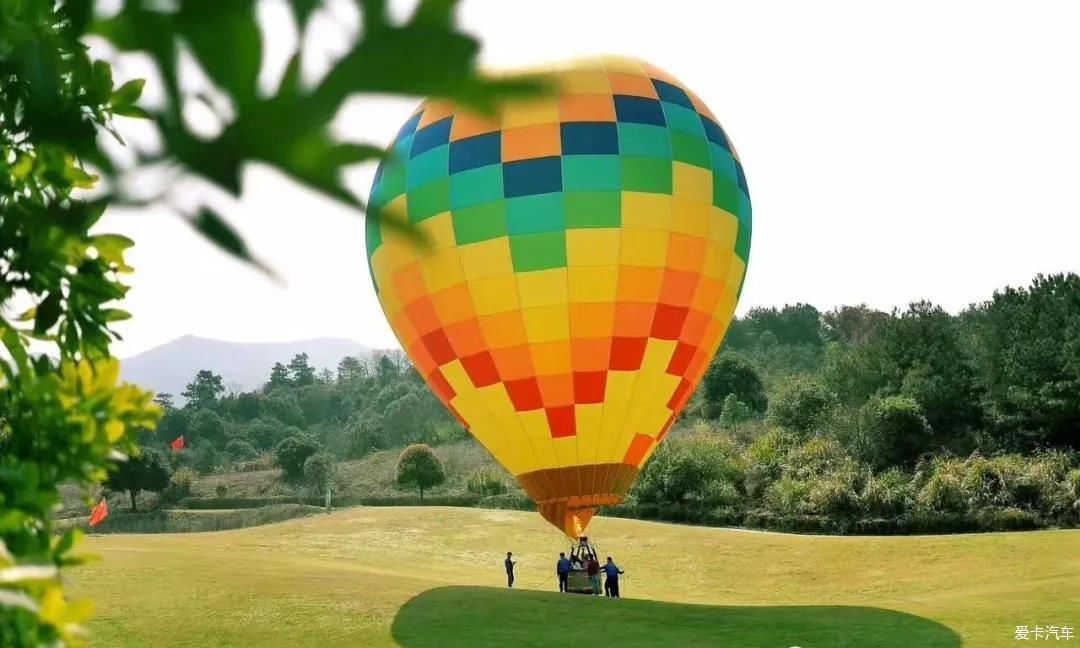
[427, 577]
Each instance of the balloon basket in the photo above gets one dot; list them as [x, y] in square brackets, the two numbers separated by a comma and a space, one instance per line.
[578, 581]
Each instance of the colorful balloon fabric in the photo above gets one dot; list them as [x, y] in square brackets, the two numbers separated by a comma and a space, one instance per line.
[582, 259]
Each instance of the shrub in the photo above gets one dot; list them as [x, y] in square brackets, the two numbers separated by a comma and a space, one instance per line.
[510, 501]
[890, 493]
[721, 493]
[983, 483]
[485, 482]
[1041, 483]
[292, 452]
[319, 471]
[834, 494]
[221, 490]
[801, 406]
[682, 469]
[206, 459]
[179, 486]
[417, 465]
[895, 431]
[1006, 519]
[788, 495]
[264, 461]
[240, 450]
[944, 488]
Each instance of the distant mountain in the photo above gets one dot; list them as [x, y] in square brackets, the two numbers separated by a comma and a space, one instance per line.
[242, 366]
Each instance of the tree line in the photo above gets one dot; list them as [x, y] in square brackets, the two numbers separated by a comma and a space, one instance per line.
[931, 420]
[365, 405]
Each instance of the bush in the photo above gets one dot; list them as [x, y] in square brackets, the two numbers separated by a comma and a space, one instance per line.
[292, 452]
[191, 522]
[319, 471]
[220, 490]
[682, 470]
[240, 450]
[896, 431]
[983, 483]
[944, 488]
[1006, 519]
[833, 494]
[509, 501]
[485, 482]
[179, 486]
[721, 493]
[788, 495]
[801, 406]
[262, 462]
[206, 459]
[889, 494]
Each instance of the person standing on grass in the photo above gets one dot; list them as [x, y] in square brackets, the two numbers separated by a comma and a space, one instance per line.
[593, 569]
[611, 583]
[562, 569]
[509, 569]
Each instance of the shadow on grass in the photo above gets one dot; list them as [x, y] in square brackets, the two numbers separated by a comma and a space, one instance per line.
[482, 616]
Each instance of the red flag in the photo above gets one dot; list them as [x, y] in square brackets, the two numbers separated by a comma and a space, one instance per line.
[100, 512]
[178, 443]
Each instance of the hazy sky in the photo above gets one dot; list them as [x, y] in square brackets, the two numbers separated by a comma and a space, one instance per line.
[894, 151]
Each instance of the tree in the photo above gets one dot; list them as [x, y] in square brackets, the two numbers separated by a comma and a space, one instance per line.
[240, 450]
[365, 434]
[283, 405]
[203, 391]
[920, 354]
[801, 406]
[896, 431]
[165, 402]
[734, 413]
[205, 458]
[292, 452]
[301, 372]
[731, 374]
[851, 325]
[319, 471]
[148, 471]
[279, 377]
[350, 368]
[1026, 345]
[386, 370]
[404, 418]
[245, 406]
[267, 433]
[65, 415]
[418, 466]
[207, 428]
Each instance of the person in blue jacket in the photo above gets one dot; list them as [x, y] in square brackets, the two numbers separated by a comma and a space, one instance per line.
[562, 569]
[611, 583]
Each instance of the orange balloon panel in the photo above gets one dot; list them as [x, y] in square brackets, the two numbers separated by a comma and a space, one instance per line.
[582, 256]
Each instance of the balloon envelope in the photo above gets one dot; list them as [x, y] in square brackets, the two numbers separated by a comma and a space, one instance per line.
[582, 255]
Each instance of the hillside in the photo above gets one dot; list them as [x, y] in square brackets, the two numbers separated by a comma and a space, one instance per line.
[425, 577]
[242, 366]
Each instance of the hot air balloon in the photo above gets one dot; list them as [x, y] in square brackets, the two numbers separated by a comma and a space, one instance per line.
[580, 260]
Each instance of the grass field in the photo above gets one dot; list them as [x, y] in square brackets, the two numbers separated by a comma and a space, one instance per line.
[428, 577]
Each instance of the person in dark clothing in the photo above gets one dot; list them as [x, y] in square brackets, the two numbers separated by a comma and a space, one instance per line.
[611, 583]
[562, 569]
[509, 569]
[593, 569]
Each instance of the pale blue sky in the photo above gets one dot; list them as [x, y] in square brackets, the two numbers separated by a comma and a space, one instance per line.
[894, 151]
